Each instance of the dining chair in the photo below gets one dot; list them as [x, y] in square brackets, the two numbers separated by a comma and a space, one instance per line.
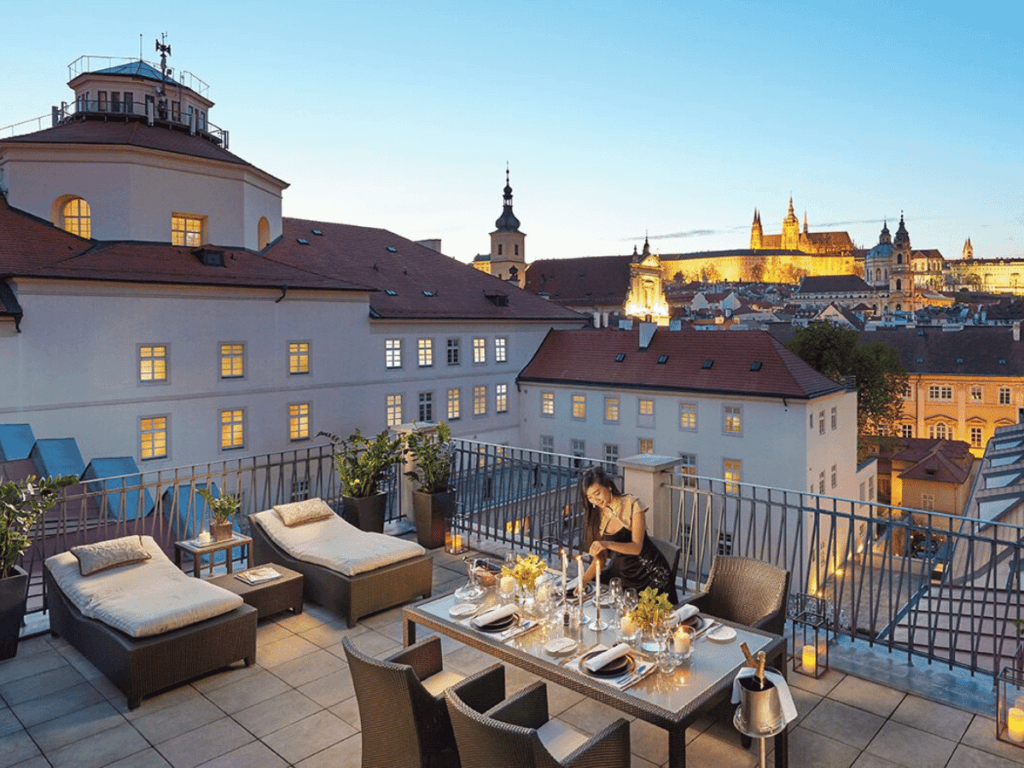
[746, 591]
[671, 554]
[518, 733]
[402, 709]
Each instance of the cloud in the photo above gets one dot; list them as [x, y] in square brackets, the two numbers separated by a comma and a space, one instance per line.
[680, 235]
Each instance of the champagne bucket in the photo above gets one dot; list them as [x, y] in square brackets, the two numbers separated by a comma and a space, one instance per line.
[760, 708]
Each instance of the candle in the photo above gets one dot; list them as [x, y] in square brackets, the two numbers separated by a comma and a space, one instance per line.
[565, 572]
[579, 581]
[507, 585]
[809, 659]
[457, 542]
[627, 625]
[204, 537]
[681, 642]
[1015, 724]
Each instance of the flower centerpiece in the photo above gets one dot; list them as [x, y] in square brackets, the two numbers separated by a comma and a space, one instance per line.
[526, 571]
[652, 609]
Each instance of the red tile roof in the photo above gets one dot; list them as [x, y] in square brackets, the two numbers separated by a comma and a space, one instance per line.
[833, 284]
[971, 351]
[587, 357]
[586, 281]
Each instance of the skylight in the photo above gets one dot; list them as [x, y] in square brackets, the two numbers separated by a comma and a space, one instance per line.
[392, 249]
[390, 291]
[756, 365]
[662, 359]
[318, 233]
[430, 293]
[707, 364]
[302, 241]
[620, 357]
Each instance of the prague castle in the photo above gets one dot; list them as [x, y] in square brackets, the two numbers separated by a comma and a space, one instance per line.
[793, 239]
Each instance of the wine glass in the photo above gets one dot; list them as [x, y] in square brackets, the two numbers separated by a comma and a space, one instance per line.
[615, 592]
[630, 600]
[472, 590]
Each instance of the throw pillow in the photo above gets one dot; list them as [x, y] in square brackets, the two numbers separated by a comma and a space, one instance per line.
[302, 512]
[114, 553]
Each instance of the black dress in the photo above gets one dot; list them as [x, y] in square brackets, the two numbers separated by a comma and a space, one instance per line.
[646, 569]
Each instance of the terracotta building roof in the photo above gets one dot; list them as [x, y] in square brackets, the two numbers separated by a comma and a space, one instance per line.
[945, 461]
[724, 362]
[585, 281]
[981, 350]
[833, 284]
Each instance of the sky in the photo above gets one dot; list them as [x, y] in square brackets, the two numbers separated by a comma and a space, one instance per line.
[616, 119]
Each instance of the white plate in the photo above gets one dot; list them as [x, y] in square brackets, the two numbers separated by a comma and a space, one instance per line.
[722, 634]
[462, 609]
[560, 646]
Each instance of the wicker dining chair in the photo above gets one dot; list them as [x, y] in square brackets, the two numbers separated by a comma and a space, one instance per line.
[405, 721]
[517, 733]
[671, 554]
[746, 591]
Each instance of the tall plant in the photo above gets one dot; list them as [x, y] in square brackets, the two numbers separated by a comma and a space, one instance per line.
[22, 503]
[221, 507]
[432, 452]
[363, 463]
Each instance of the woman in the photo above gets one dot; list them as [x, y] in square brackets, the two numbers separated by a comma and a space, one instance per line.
[615, 534]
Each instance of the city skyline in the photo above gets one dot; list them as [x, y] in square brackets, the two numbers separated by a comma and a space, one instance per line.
[617, 122]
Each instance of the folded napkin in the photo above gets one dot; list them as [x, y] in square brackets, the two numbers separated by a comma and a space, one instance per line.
[683, 613]
[493, 615]
[785, 697]
[606, 657]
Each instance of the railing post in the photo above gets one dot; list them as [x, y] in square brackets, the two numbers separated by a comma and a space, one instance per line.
[648, 477]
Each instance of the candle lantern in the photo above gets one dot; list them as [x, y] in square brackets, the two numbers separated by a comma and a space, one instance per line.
[456, 535]
[810, 643]
[1010, 706]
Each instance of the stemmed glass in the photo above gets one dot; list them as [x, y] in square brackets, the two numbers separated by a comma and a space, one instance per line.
[472, 590]
[615, 592]
[630, 600]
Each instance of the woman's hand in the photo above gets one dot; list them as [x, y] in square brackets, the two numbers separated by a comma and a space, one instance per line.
[596, 549]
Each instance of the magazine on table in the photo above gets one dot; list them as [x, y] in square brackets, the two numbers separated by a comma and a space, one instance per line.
[259, 575]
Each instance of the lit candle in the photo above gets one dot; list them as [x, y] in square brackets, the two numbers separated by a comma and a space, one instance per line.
[681, 642]
[565, 573]
[205, 537]
[627, 625]
[507, 585]
[597, 586]
[457, 542]
[1015, 724]
[579, 581]
[809, 659]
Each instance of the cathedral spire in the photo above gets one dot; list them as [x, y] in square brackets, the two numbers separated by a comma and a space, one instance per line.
[507, 222]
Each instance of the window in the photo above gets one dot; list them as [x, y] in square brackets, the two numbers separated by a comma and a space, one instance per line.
[928, 501]
[611, 453]
[940, 392]
[821, 422]
[579, 450]
[733, 419]
[976, 437]
[176, 111]
[821, 481]
[688, 416]
[115, 101]
[392, 353]
[579, 407]
[453, 352]
[187, 229]
[835, 476]
[835, 418]
[298, 357]
[232, 361]
[102, 98]
[426, 410]
[76, 217]
[500, 350]
[724, 543]
[298, 421]
[688, 468]
[394, 410]
[940, 431]
[811, 420]
[907, 393]
[611, 410]
[732, 472]
[153, 363]
[906, 430]
[232, 429]
[976, 394]
[547, 404]
[153, 437]
[645, 445]
[454, 404]
[129, 102]
[425, 352]
[547, 443]
[645, 409]
[1004, 395]
[479, 350]
[500, 398]
[479, 401]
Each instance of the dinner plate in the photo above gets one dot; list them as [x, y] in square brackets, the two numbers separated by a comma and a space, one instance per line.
[500, 625]
[619, 666]
[698, 622]
[561, 646]
[460, 610]
[722, 634]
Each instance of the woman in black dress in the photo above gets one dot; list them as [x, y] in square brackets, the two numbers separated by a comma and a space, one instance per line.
[615, 534]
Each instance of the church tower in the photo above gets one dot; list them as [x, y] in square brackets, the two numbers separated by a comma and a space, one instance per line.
[968, 253]
[791, 230]
[645, 298]
[756, 233]
[901, 275]
[508, 244]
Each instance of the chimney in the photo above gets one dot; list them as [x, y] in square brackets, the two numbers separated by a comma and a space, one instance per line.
[646, 334]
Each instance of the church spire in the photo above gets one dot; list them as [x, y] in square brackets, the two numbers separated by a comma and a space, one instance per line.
[507, 222]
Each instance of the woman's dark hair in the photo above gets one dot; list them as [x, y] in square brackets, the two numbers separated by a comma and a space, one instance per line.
[592, 515]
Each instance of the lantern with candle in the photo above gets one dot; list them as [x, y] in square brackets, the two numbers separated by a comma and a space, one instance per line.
[1010, 706]
[810, 643]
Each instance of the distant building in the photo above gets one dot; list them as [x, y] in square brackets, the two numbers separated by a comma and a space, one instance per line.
[792, 239]
[507, 259]
[928, 474]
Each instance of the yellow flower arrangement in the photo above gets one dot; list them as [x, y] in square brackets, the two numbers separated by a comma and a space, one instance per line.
[652, 609]
[526, 571]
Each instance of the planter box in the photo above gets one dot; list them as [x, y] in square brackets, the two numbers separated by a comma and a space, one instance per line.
[222, 531]
[433, 514]
[366, 513]
[13, 592]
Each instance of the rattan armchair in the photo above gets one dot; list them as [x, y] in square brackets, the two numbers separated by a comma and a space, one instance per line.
[671, 555]
[517, 733]
[750, 592]
[405, 721]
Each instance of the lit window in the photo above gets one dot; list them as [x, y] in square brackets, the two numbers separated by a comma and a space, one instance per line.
[153, 437]
[940, 431]
[940, 392]
[232, 361]
[645, 407]
[732, 472]
[425, 351]
[611, 453]
[232, 429]
[298, 421]
[976, 437]
[547, 404]
[734, 421]
[688, 468]
[501, 398]
[392, 353]
[479, 401]
[76, 217]
[976, 394]
[688, 416]
[821, 422]
[906, 430]
[426, 409]
[479, 350]
[645, 445]
[453, 352]
[394, 410]
[611, 410]
[579, 407]
[298, 357]
[835, 476]
[454, 404]
[1004, 395]
[153, 363]
[500, 349]
[186, 230]
[835, 418]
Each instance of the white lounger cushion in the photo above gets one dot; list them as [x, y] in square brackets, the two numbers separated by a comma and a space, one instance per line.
[336, 545]
[142, 599]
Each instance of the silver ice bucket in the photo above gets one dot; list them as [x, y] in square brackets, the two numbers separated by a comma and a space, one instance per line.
[760, 709]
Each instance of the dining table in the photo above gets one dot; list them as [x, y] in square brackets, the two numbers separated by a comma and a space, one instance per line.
[672, 700]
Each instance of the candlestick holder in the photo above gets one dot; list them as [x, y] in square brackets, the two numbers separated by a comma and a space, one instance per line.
[810, 644]
[597, 623]
[1010, 707]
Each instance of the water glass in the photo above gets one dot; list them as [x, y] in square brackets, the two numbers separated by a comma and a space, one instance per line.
[615, 592]
[630, 600]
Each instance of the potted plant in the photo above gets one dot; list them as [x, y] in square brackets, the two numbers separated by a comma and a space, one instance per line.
[363, 464]
[433, 499]
[22, 503]
[221, 508]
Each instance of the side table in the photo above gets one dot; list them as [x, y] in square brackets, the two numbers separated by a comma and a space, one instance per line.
[197, 551]
[267, 597]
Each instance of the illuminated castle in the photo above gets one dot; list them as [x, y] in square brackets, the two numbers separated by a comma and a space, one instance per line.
[793, 239]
